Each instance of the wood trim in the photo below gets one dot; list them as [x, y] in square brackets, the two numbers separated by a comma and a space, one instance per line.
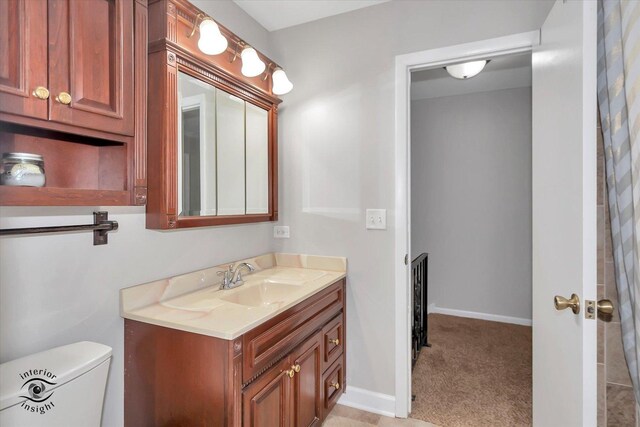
[273, 166]
[208, 221]
[12, 119]
[221, 78]
[233, 395]
[141, 31]
[54, 196]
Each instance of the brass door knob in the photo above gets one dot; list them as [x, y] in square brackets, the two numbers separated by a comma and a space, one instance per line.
[296, 368]
[561, 303]
[335, 341]
[336, 385]
[291, 373]
[605, 307]
[64, 98]
[41, 92]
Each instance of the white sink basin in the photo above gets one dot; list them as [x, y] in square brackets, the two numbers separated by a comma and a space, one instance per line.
[265, 294]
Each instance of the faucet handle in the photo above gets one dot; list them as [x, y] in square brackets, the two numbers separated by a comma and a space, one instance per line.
[227, 275]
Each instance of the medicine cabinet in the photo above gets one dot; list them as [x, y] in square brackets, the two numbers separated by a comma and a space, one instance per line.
[212, 147]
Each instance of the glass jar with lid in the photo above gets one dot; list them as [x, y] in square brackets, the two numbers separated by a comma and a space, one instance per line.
[22, 169]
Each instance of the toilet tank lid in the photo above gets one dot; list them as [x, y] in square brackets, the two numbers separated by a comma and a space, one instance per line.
[56, 366]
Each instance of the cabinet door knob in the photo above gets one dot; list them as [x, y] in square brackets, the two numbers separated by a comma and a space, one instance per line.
[41, 92]
[335, 341]
[296, 368]
[336, 385]
[291, 373]
[64, 98]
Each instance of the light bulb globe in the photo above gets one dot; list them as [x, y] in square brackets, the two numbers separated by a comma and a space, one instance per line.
[251, 63]
[281, 83]
[211, 41]
[466, 70]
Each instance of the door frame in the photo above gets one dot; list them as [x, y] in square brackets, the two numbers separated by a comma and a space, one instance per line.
[404, 65]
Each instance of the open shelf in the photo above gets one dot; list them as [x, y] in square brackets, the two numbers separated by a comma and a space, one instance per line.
[79, 171]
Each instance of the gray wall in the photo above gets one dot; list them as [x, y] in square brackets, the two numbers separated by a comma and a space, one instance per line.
[337, 146]
[59, 289]
[471, 199]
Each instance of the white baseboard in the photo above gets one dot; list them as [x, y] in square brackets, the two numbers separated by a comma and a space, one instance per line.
[370, 401]
[432, 308]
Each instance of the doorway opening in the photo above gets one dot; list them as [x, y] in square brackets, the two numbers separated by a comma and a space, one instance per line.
[470, 239]
[522, 43]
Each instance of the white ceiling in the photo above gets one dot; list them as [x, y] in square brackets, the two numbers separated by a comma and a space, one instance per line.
[277, 14]
[506, 72]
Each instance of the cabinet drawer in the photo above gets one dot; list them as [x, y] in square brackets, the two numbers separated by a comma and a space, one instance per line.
[333, 341]
[268, 342]
[332, 385]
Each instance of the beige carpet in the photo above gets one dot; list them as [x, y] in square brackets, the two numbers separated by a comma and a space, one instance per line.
[477, 373]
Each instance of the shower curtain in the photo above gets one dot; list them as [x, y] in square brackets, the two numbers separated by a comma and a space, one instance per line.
[619, 102]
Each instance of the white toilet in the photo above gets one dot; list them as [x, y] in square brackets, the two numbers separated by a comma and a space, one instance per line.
[63, 386]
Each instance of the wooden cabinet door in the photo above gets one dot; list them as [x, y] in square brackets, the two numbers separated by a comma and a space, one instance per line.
[266, 401]
[91, 59]
[23, 57]
[307, 383]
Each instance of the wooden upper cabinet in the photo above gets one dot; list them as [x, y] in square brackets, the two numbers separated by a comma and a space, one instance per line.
[23, 57]
[73, 89]
[91, 64]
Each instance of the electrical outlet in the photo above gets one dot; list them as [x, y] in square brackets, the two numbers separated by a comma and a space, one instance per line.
[376, 219]
[281, 232]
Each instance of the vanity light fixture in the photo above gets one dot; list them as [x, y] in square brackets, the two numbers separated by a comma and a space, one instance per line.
[211, 41]
[251, 64]
[281, 83]
[466, 70]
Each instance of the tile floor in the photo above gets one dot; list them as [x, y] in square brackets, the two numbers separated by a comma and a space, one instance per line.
[343, 416]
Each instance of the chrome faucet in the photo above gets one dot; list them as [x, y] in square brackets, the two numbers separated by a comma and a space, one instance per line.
[233, 278]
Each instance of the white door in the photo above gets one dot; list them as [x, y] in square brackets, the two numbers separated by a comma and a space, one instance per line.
[564, 215]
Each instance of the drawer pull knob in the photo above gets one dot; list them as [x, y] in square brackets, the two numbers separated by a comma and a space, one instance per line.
[296, 368]
[64, 98]
[41, 92]
[335, 341]
[336, 385]
[291, 373]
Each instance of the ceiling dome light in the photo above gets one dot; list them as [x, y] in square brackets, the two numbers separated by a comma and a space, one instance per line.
[466, 70]
[281, 83]
[211, 42]
[251, 64]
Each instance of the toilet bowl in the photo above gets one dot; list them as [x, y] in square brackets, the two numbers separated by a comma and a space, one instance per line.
[63, 386]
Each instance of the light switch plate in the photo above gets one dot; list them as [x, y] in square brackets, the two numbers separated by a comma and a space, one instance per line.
[376, 219]
[281, 232]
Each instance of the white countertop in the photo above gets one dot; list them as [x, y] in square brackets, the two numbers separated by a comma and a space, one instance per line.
[194, 303]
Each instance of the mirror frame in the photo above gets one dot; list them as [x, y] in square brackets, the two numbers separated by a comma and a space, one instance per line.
[172, 50]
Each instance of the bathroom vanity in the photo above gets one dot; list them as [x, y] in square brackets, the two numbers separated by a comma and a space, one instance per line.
[268, 353]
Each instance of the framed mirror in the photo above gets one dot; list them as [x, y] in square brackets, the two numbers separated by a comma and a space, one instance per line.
[212, 133]
[223, 155]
